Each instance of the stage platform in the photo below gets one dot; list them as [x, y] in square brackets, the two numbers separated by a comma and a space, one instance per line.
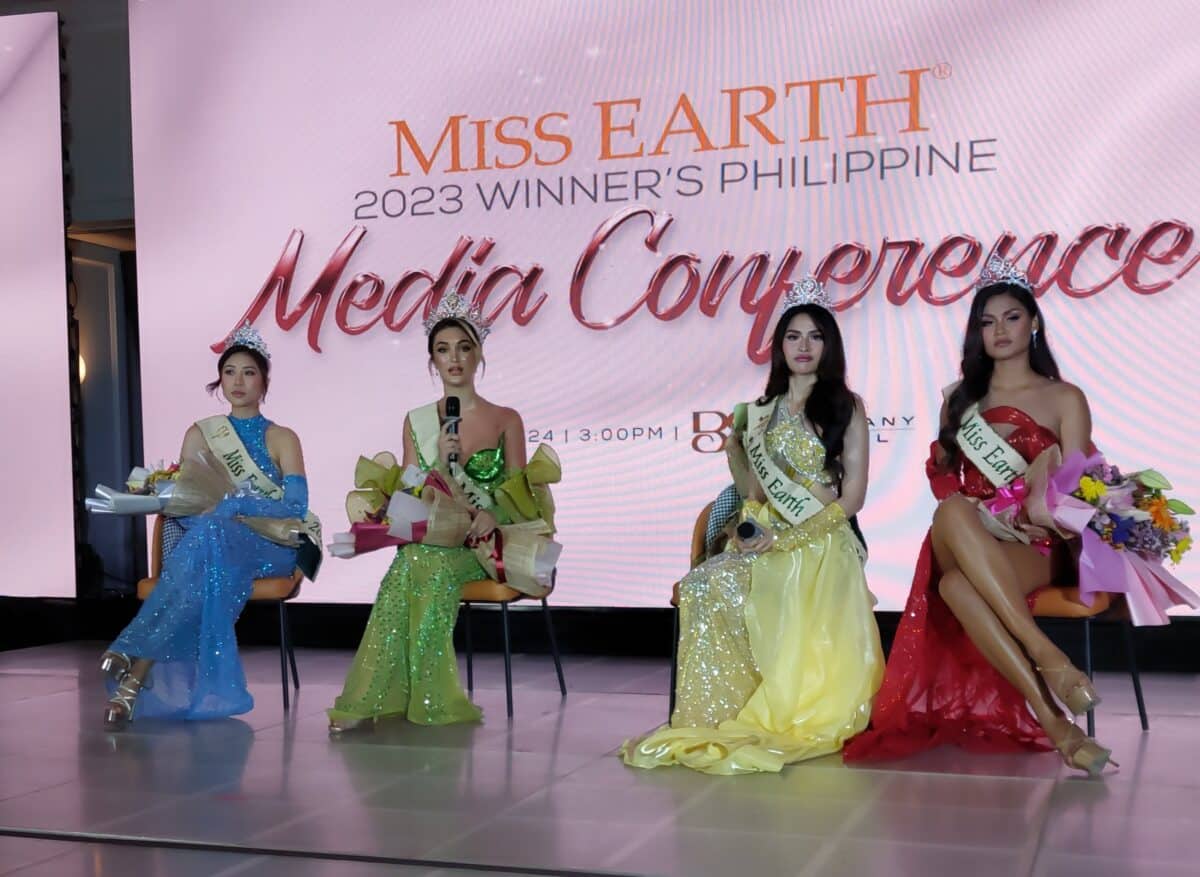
[270, 793]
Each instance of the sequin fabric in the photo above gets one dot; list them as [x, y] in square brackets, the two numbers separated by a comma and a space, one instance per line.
[186, 626]
[779, 654]
[795, 447]
[405, 664]
[938, 688]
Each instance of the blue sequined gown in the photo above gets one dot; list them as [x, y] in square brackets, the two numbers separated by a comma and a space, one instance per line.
[186, 625]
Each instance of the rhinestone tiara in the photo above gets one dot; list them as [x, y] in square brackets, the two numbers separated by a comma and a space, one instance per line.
[1000, 270]
[454, 307]
[808, 291]
[246, 335]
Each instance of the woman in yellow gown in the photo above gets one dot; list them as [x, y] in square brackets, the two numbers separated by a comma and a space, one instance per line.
[779, 655]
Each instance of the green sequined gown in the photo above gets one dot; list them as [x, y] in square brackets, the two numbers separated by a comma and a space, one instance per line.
[405, 664]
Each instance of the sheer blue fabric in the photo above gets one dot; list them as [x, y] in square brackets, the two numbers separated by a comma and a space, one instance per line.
[186, 625]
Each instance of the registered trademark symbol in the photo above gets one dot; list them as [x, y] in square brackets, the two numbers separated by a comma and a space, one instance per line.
[942, 70]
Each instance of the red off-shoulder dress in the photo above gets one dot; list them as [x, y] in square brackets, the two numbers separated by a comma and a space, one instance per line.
[937, 687]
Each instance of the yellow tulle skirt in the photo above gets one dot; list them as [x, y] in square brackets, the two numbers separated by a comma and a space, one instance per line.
[779, 658]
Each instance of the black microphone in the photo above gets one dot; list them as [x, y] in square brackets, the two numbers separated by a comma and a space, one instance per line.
[748, 530]
[452, 414]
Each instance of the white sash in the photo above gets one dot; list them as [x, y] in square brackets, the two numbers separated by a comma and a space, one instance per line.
[426, 425]
[228, 447]
[794, 503]
[988, 451]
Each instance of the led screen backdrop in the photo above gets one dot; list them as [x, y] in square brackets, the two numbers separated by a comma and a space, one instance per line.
[37, 531]
[629, 186]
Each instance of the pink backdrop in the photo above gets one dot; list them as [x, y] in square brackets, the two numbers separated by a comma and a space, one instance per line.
[254, 120]
[37, 532]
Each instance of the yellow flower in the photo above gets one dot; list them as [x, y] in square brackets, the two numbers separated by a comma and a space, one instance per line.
[1180, 548]
[1091, 488]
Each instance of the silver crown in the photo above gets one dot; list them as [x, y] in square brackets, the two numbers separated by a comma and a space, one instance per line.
[247, 336]
[454, 307]
[1000, 270]
[808, 291]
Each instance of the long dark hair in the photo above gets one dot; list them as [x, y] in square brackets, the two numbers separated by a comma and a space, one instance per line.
[830, 405]
[264, 366]
[977, 366]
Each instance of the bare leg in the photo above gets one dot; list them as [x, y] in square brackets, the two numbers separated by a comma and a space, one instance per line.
[1003, 573]
[1003, 652]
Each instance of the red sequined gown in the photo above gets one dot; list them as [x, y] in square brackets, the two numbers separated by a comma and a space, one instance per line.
[937, 687]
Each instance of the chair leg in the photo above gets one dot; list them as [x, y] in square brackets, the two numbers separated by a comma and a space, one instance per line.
[562, 683]
[1131, 658]
[470, 654]
[674, 661]
[507, 659]
[283, 667]
[287, 626]
[1087, 668]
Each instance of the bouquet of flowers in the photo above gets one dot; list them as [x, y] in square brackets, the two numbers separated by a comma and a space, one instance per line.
[150, 491]
[392, 506]
[1133, 512]
[1128, 528]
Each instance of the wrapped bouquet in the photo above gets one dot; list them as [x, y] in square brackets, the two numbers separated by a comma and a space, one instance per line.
[1128, 528]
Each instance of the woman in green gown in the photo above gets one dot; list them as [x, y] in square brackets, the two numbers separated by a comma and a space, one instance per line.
[405, 664]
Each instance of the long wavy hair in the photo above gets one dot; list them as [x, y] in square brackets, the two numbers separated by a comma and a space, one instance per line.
[977, 366]
[830, 405]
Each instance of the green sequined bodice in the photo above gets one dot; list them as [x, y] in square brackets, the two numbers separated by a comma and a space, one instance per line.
[791, 443]
[486, 467]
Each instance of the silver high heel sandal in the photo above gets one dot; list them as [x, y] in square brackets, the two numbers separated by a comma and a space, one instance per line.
[115, 665]
[119, 711]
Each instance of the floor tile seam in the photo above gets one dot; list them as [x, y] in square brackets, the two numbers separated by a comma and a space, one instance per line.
[1139, 859]
[82, 838]
[172, 801]
[628, 848]
[60, 854]
[3, 798]
[943, 775]
[477, 828]
[831, 843]
[1032, 847]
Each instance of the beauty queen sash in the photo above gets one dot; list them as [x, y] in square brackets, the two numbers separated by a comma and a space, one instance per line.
[792, 500]
[229, 449]
[426, 426]
[988, 451]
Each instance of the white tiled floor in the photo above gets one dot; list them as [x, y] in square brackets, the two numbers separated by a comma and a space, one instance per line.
[546, 791]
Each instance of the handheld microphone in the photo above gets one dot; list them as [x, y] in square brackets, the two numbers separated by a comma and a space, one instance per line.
[748, 530]
[452, 414]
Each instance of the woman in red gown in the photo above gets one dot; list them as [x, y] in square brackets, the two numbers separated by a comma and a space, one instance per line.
[969, 665]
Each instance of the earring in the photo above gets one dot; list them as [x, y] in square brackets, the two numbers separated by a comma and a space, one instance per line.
[1035, 337]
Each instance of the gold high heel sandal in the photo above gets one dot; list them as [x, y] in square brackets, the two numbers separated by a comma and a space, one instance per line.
[1080, 697]
[1081, 752]
[115, 665]
[119, 711]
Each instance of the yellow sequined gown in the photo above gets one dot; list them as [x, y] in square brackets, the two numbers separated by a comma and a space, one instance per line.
[779, 654]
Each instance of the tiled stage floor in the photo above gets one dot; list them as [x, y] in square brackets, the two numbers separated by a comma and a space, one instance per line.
[271, 794]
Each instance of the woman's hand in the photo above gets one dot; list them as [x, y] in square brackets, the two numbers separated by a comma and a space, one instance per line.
[482, 526]
[759, 543]
[449, 443]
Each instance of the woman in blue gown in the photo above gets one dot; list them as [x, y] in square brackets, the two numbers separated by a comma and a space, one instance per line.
[178, 658]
